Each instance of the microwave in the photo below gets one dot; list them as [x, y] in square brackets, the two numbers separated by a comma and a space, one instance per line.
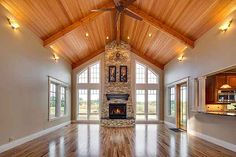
[227, 96]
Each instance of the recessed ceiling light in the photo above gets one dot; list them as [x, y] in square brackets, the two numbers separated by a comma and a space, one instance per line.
[107, 37]
[86, 34]
[150, 34]
[128, 37]
[13, 23]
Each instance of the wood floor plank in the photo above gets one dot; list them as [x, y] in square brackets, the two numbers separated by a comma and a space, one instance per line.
[144, 140]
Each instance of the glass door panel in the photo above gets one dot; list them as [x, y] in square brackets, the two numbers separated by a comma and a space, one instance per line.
[152, 104]
[140, 104]
[94, 101]
[82, 104]
[94, 104]
[183, 106]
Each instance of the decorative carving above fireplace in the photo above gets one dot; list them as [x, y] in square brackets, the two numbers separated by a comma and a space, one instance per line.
[117, 96]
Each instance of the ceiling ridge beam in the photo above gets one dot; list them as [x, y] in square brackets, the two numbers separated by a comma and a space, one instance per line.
[156, 63]
[89, 18]
[162, 26]
[92, 55]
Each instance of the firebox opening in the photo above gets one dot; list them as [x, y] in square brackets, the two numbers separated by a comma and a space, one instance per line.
[117, 111]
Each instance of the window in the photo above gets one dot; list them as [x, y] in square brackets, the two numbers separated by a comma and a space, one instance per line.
[172, 101]
[83, 77]
[63, 101]
[57, 98]
[140, 104]
[140, 73]
[82, 95]
[152, 78]
[147, 85]
[94, 73]
[88, 90]
[53, 100]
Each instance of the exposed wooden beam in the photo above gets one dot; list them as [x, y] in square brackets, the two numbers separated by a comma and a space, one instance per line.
[162, 26]
[156, 63]
[118, 30]
[94, 54]
[91, 17]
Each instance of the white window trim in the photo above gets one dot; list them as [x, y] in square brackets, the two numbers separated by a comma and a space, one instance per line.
[59, 84]
[147, 86]
[89, 86]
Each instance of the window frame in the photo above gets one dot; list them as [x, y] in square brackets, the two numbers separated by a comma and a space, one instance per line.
[89, 87]
[169, 100]
[58, 84]
[146, 87]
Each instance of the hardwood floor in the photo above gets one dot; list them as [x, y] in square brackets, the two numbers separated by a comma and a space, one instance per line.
[92, 140]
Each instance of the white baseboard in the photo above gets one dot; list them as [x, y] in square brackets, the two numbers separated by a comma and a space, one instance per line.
[23, 140]
[171, 125]
[216, 141]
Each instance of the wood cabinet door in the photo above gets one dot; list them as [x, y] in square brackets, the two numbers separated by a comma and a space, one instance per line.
[210, 90]
[232, 81]
[220, 80]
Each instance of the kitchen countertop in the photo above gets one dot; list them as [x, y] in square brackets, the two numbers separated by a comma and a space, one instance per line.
[219, 113]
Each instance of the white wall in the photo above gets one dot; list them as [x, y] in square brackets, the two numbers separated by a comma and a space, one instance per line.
[214, 51]
[24, 69]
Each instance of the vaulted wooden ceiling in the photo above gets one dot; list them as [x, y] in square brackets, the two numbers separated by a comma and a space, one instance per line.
[172, 25]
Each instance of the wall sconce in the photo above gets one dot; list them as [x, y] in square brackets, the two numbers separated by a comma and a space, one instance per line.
[13, 23]
[225, 26]
[181, 58]
[55, 57]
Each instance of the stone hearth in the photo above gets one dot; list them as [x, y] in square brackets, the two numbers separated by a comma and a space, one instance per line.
[116, 89]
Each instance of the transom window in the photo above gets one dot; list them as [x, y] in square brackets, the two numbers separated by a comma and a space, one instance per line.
[147, 93]
[83, 77]
[140, 73]
[57, 98]
[88, 90]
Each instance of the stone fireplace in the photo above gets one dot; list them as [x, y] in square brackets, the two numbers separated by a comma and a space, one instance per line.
[117, 108]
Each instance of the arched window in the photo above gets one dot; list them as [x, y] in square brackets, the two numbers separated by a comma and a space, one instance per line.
[147, 93]
[88, 90]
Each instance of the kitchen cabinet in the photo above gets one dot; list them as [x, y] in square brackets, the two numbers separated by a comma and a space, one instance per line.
[220, 80]
[214, 93]
[231, 79]
[211, 90]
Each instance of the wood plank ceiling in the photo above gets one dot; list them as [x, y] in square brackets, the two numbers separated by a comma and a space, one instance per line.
[63, 24]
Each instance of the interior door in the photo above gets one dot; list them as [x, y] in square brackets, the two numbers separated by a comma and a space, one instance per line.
[183, 103]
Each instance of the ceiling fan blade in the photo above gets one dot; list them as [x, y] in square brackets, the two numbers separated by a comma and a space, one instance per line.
[128, 2]
[131, 14]
[117, 2]
[102, 9]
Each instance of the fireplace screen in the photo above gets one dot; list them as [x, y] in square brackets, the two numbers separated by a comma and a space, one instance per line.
[117, 111]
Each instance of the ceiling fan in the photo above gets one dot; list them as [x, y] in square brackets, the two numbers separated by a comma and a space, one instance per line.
[121, 8]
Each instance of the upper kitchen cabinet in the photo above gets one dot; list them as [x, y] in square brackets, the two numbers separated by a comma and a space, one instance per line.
[231, 79]
[221, 88]
[211, 90]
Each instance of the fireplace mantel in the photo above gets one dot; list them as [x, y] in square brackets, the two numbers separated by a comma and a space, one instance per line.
[117, 96]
